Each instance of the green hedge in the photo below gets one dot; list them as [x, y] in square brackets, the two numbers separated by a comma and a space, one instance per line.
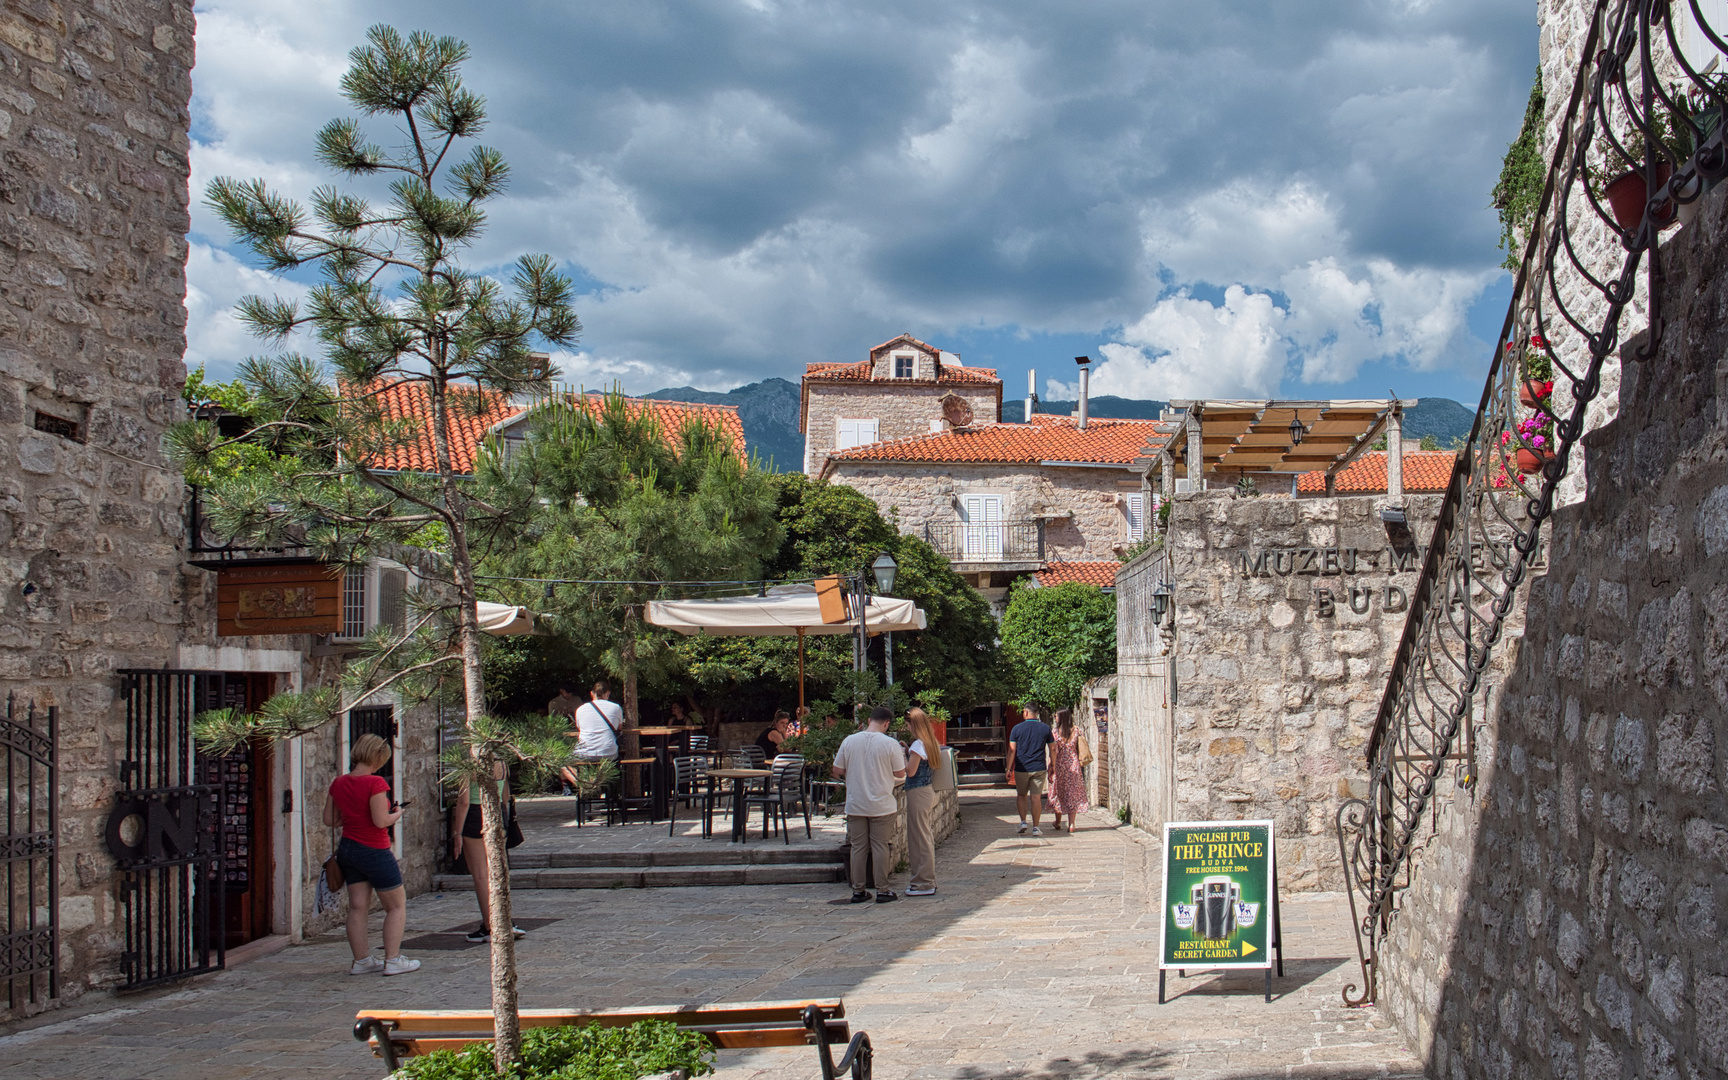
[577, 1053]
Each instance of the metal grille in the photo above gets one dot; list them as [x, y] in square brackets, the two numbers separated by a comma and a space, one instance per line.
[30, 944]
[379, 721]
[166, 835]
[1643, 122]
[354, 603]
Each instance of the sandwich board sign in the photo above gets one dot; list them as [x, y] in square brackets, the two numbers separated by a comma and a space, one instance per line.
[1220, 899]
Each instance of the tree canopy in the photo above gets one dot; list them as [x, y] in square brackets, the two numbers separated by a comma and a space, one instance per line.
[1058, 638]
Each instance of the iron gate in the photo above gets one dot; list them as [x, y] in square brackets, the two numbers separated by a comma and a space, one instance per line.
[30, 947]
[165, 833]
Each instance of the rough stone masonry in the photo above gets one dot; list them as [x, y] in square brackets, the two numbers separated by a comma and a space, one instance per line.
[1256, 699]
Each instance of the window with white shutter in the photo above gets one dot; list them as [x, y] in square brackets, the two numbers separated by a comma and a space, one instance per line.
[1134, 507]
[850, 433]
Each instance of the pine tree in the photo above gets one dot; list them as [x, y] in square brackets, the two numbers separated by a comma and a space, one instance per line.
[393, 312]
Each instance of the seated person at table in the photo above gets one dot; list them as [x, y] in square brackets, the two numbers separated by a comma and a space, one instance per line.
[598, 722]
[777, 732]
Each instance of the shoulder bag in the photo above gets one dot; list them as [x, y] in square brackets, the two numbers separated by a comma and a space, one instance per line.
[943, 777]
[1085, 751]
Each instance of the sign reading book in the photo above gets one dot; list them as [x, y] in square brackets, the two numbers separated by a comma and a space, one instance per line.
[1220, 898]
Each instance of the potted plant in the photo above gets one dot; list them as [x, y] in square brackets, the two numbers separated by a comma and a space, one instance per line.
[1538, 374]
[1627, 194]
[1536, 433]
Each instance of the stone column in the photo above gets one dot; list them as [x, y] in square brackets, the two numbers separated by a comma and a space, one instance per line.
[1395, 454]
[1166, 475]
[1196, 448]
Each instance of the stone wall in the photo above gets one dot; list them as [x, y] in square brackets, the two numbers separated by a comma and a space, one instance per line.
[1085, 508]
[1565, 918]
[1275, 666]
[93, 218]
[900, 409]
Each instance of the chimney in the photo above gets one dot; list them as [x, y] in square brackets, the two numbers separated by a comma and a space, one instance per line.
[1031, 393]
[1085, 363]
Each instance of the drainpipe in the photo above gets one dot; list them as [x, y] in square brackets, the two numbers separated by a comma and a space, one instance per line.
[1031, 393]
[1085, 363]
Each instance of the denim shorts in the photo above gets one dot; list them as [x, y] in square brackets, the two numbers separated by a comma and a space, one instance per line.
[368, 865]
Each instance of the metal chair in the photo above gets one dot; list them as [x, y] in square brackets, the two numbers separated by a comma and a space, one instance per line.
[690, 785]
[784, 792]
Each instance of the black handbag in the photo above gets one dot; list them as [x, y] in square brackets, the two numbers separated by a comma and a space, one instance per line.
[512, 830]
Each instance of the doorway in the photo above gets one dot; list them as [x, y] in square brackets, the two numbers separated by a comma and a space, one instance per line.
[245, 775]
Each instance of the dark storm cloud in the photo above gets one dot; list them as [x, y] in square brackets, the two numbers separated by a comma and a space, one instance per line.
[765, 183]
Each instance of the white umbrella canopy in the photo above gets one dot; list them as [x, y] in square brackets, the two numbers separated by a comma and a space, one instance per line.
[778, 616]
[505, 620]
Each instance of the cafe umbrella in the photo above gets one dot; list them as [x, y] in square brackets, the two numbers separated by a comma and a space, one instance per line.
[785, 611]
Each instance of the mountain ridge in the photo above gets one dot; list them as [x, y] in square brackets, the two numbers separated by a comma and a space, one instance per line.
[769, 408]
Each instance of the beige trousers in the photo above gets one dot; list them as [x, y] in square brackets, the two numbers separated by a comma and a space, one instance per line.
[921, 834]
[871, 838]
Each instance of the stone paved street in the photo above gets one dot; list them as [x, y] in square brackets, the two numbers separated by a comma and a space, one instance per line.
[1035, 960]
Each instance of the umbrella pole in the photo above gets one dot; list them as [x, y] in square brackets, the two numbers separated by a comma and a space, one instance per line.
[800, 667]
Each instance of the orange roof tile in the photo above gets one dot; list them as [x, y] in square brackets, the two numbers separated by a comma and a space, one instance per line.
[1101, 574]
[408, 399]
[860, 372]
[1047, 438]
[1424, 470]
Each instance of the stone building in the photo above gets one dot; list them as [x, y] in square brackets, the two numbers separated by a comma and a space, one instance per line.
[1252, 694]
[1564, 909]
[1056, 498]
[905, 388]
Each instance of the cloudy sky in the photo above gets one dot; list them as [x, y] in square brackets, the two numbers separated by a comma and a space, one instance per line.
[1222, 198]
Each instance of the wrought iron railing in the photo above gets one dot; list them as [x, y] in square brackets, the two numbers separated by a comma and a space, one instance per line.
[207, 545]
[1021, 541]
[1640, 141]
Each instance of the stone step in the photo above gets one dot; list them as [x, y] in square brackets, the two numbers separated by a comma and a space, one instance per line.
[770, 853]
[627, 877]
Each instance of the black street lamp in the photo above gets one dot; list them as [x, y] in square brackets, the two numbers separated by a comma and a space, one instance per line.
[884, 568]
[1160, 602]
[1296, 430]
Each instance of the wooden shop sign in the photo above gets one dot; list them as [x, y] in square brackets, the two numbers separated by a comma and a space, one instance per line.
[299, 598]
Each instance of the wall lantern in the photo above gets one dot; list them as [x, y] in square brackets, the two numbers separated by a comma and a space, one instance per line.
[884, 568]
[1296, 431]
[1160, 601]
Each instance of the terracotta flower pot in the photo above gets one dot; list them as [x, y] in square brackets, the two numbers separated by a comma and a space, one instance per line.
[1627, 196]
[1531, 461]
[1532, 393]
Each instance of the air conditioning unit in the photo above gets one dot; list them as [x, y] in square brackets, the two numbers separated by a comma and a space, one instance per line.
[1184, 486]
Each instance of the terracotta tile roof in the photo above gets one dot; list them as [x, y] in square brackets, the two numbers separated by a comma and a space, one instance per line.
[408, 399]
[1047, 438]
[1101, 574]
[910, 340]
[1424, 470]
[860, 372]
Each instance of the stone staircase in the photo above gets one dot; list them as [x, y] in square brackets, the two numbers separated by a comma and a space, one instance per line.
[761, 863]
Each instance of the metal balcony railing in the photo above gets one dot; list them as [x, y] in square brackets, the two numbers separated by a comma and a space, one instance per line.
[1640, 116]
[1021, 541]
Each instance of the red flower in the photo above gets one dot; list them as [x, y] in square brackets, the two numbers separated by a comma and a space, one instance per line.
[1538, 341]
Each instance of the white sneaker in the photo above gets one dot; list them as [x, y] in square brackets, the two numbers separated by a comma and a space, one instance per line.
[400, 965]
[1036, 831]
[518, 933]
[369, 965]
[920, 890]
[1022, 827]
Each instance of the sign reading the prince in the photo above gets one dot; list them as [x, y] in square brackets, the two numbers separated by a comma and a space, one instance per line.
[1218, 902]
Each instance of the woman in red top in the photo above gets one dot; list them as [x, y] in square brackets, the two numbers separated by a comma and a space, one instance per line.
[360, 802]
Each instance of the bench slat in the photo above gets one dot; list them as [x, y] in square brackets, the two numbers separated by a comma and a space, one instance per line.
[721, 1038]
[407, 1022]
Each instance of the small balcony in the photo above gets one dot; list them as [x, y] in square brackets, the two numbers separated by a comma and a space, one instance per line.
[1017, 545]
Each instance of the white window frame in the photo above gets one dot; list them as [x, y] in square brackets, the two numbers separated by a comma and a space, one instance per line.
[860, 426]
[1133, 508]
[911, 366]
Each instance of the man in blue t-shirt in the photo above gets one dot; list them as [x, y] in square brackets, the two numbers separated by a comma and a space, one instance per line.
[1026, 764]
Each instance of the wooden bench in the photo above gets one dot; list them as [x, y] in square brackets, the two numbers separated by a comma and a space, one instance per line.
[395, 1034]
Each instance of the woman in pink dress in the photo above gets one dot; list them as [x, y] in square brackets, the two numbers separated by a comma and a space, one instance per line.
[1067, 791]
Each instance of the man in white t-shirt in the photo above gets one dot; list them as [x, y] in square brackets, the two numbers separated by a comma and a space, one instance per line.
[598, 722]
[872, 763]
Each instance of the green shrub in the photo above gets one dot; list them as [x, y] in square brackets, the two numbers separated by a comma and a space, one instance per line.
[577, 1053]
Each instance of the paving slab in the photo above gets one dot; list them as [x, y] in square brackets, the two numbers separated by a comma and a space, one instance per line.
[1034, 961]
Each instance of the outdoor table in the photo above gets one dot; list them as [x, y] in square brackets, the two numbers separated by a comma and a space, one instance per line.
[740, 827]
[662, 752]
